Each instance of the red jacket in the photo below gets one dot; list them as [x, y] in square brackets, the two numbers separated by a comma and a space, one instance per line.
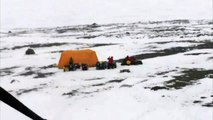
[110, 60]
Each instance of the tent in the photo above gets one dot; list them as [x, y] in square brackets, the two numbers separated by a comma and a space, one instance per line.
[87, 56]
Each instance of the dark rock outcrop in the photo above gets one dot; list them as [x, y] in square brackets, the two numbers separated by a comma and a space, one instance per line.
[30, 52]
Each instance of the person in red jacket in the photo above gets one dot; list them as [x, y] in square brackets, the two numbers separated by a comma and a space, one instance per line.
[110, 62]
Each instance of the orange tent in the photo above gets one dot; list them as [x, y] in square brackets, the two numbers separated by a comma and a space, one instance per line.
[88, 57]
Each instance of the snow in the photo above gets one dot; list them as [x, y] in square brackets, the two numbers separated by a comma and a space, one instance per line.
[40, 13]
[108, 94]
[110, 101]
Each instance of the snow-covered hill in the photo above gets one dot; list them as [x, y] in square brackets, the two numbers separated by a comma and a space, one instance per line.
[174, 83]
[46, 13]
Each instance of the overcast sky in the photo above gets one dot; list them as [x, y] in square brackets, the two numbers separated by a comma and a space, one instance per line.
[41, 13]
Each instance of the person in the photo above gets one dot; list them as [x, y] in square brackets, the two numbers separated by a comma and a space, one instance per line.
[110, 62]
[71, 61]
[72, 66]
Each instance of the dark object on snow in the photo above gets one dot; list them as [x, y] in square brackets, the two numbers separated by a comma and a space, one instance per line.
[16, 104]
[30, 52]
[12, 81]
[72, 67]
[84, 67]
[128, 33]
[131, 61]
[77, 66]
[9, 32]
[101, 65]
[138, 63]
[94, 25]
[66, 68]
[105, 65]
[210, 75]
[49, 66]
[112, 66]
[111, 63]
[125, 70]
[158, 88]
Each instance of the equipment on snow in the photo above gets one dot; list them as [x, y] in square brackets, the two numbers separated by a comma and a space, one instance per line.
[131, 61]
[101, 65]
[84, 67]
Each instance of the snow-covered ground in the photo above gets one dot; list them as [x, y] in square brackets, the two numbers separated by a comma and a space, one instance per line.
[46, 13]
[174, 82]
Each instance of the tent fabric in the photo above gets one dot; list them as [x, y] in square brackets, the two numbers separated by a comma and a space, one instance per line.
[88, 57]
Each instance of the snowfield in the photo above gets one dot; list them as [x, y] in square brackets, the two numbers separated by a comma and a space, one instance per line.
[174, 83]
[49, 13]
